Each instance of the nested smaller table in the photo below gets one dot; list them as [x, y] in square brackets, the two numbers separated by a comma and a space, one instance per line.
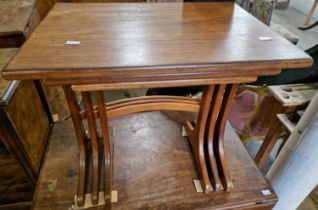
[89, 48]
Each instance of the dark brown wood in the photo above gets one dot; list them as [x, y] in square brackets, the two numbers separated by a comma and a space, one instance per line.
[108, 153]
[12, 142]
[268, 144]
[22, 154]
[215, 109]
[95, 145]
[160, 37]
[228, 97]
[21, 151]
[26, 114]
[39, 87]
[197, 139]
[81, 141]
[155, 172]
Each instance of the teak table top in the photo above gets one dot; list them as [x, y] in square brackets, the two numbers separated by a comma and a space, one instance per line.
[142, 39]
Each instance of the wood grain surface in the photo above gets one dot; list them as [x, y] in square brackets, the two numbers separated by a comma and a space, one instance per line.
[15, 15]
[153, 169]
[29, 118]
[148, 39]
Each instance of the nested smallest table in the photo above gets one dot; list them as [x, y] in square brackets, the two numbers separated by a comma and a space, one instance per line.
[119, 46]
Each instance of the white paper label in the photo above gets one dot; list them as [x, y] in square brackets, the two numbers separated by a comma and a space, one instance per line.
[72, 42]
[265, 38]
[266, 192]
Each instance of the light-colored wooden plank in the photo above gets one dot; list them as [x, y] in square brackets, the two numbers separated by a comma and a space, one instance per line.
[294, 94]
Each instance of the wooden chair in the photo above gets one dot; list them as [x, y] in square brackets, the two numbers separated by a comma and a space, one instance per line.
[289, 98]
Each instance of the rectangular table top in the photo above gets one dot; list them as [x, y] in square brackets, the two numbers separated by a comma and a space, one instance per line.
[139, 38]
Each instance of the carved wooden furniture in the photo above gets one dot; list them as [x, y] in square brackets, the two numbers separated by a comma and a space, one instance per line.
[89, 48]
[153, 169]
[24, 131]
[288, 99]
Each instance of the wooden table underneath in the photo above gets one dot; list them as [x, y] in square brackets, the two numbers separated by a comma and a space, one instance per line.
[89, 48]
[153, 169]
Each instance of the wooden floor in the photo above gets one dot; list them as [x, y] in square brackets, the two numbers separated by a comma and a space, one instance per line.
[153, 169]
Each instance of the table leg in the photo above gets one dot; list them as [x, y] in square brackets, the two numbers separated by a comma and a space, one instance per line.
[197, 139]
[95, 145]
[215, 107]
[228, 97]
[107, 148]
[81, 140]
[207, 138]
[268, 144]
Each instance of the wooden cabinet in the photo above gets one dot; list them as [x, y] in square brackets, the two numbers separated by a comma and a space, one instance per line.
[20, 20]
[24, 131]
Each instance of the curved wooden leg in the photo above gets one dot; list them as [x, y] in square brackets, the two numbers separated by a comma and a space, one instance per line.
[95, 145]
[214, 112]
[228, 97]
[197, 138]
[81, 138]
[107, 148]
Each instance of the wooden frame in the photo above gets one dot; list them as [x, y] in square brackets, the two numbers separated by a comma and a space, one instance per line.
[206, 137]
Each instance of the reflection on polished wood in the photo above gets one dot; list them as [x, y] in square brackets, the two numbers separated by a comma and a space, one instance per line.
[151, 39]
[216, 45]
[153, 169]
[206, 138]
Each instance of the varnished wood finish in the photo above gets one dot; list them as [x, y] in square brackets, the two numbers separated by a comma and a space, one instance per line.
[197, 139]
[155, 172]
[108, 153]
[159, 35]
[228, 97]
[213, 114]
[140, 104]
[153, 45]
[81, 141]
[145, 82]
[95, 145]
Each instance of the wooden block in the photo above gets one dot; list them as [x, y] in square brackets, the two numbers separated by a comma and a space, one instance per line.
[294, 94]
[198, 186]
[88, 201]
